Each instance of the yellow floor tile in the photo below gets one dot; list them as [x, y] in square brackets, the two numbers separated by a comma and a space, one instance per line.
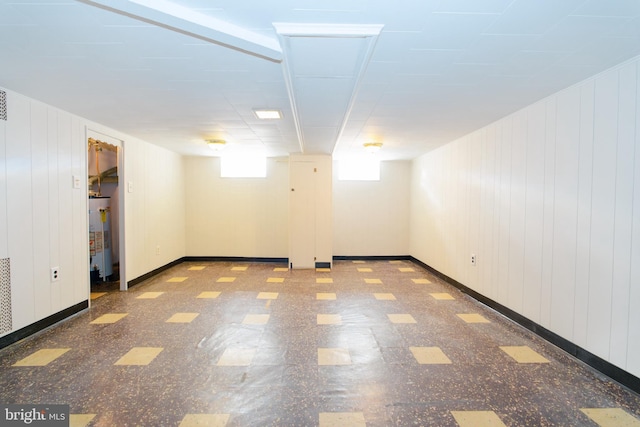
[196, 268]
[333, 356]
[385, 297]
[329, 319]
[268, 295]
[275, 280]
[204, 420]
[406, 269]
[96, 295]
[237, 357]
[365, 270]
[442, 296]
[523, 354]
[108, 318]
[341, 419]
[421, 281]
[401, 318]
[208, 294]
[139, 356]
[611, 417]
[281, 269]
[182, 318]
[80, 420]
[473, 318]
[149, 295]
[323, 270]
[373, 281]
[42, 357]
[358, 262]
[325, 296]
[324, 280]
[255, 319]
[177, 279]
[477, 419]
[396, 262]
[240, 268]
[430, 356]
[225, 279]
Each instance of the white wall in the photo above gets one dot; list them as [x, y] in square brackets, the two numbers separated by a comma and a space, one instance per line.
[245, 217]
[372, 217]
[43, 219]
[548, 199]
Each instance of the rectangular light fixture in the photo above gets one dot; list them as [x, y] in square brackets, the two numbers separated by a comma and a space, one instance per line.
[268, 114]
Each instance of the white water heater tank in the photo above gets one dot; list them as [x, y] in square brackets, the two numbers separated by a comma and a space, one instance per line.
[100, 236]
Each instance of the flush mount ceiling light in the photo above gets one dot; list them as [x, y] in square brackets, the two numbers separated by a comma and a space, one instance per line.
[268, 114]
[216, 144]
[372, 147]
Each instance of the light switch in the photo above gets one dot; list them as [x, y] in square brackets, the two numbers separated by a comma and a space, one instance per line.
[130, 186]
[76, 181]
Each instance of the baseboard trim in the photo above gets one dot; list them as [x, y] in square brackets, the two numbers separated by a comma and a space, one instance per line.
[373, 258]
[615, 373]
[43, 324]
[152, 273]
[234, 259]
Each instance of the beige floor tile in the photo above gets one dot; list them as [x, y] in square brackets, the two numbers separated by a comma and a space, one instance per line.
[196, 268]
[523, 354]
[365, 270]
[177, 279]
[42, 357]
[281, 269]
[237, 357]
[401, 318]
[96, 295]
[421, 281]
[240, 268]
[406, 269]
[373, 281]
[333, 356]
[80, 420]
[385, 297]
[329, 319]
[477, 419]
[396, 261]
[430, 356]
[208, 294]
[182, 318]
[341, 419]
[473, 318]
[611, 417]
[149, 295]
[275, 280]
[324, 280]
[442, 296]
[108, 318]
[256, 319]
[358, 262]
[204, 420]
[323, 270]
[268, 295]
[225, 279]
[139, 356]
[326, 296]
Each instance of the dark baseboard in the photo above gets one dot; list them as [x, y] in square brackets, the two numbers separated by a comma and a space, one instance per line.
[615, 373]
[373, 258]
[40, 325]
[234, 259]
[323, 265]
[152, 273]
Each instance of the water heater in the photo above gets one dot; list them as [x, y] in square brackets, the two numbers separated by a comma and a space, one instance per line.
[100, 237]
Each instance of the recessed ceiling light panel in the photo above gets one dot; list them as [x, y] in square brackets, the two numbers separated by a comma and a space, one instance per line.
[268, 114]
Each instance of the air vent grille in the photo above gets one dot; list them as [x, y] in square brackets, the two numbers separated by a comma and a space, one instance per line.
[5, 296]
[3, 105]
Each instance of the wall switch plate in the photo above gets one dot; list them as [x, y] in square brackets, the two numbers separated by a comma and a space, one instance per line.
[55, 274]
[130, 186]
[76, 181]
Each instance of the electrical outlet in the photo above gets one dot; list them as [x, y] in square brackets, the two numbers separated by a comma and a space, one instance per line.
[55, 274]
[473, 259]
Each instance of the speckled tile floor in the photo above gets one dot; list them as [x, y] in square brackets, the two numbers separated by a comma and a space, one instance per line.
[381, 344]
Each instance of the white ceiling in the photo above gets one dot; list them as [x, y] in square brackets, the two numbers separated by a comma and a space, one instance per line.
[180, 72]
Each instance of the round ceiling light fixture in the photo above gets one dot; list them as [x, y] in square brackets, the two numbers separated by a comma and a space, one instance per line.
[372, 147]
[216, 144]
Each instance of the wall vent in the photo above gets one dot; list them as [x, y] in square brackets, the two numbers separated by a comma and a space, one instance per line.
[3, 105]
[5, 296]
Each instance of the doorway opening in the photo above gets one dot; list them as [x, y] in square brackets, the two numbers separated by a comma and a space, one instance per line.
[105, 208]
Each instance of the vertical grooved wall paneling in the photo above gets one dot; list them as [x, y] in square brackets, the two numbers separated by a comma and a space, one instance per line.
[557, 213]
